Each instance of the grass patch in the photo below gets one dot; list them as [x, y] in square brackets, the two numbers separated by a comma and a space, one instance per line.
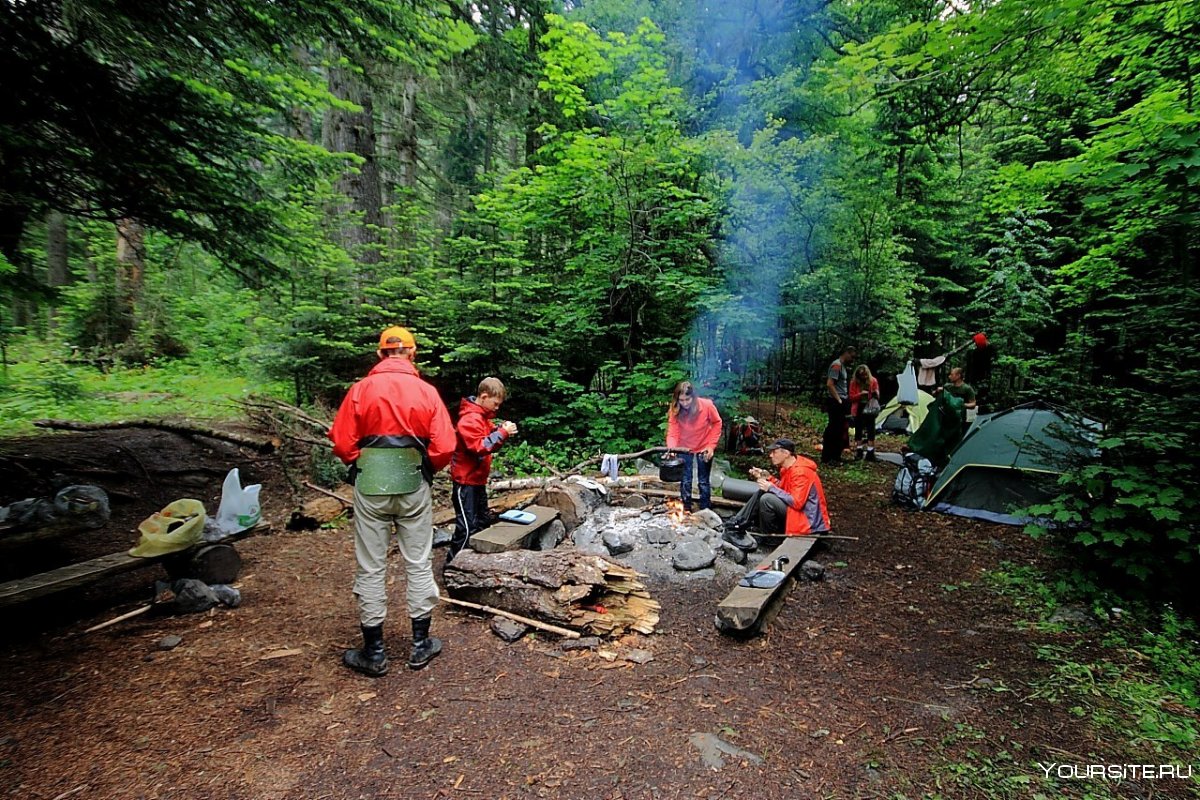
[41, 386]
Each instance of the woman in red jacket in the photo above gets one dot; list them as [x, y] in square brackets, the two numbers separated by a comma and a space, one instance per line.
[693, 429]
[864, 407]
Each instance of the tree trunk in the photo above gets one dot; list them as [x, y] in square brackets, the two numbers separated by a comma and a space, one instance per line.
[131, 276]
[361, 214]
[58, 270]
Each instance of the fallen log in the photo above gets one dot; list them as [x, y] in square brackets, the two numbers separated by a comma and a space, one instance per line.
[563, 585]
[185, 428]
[716, 501]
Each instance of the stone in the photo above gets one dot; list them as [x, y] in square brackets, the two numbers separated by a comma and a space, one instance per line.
[193, 596]
[441, 537]
[639, 656]
[709, 518]
[507, 629]
[1075, 617]
[735, 554]
[582, 643]
[692, 554]
[169, 642]
[618, 541]
[812, 571]
[635, 501]
[550, 536]
[660, 532]
[713, 749]
[227, 595]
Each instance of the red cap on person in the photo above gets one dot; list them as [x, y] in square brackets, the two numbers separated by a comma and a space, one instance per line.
[396, 337]
[980, 340]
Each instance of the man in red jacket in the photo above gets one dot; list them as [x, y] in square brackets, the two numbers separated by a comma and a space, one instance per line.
[394, 431]
[479, 437]
[792, 504]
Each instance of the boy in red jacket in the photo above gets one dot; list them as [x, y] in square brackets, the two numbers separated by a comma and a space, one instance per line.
[479, 436]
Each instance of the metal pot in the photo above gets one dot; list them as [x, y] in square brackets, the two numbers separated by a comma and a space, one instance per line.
[670, 470]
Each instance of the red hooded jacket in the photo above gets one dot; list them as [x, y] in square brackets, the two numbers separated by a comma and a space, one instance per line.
[393, 400]
[478, 439]
[807, 512]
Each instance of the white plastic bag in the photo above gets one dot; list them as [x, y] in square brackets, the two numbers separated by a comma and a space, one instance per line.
[907, 380]
[239, 507]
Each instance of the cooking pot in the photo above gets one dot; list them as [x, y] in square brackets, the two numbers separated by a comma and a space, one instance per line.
[670, 470]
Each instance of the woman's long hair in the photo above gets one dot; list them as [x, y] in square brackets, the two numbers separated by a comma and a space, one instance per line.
[682, 389]
[862, 376]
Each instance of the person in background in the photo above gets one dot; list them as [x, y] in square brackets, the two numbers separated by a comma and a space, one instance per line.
[864, 405]
[837, 406]
[395, 432]
[959, 388]
[693, 431]
[480, 435]
[792, 504]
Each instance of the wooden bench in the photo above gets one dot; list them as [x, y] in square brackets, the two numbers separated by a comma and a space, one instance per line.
[748, 611]
[505, 536]
[85, 572]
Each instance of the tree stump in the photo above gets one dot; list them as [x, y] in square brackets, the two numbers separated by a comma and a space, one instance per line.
[213, 563]
[572, 501]
[562, 586]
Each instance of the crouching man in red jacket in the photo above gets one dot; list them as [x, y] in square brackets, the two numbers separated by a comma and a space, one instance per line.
[479, 437]
[395, 432]
[792, 504]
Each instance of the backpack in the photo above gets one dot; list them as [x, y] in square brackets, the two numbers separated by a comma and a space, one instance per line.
[913, 481]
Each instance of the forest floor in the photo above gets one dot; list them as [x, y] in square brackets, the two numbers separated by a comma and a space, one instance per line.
[903, 674]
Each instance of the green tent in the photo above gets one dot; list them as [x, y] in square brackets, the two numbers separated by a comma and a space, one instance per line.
[898, 418]
[941, 431]
[1009, 460]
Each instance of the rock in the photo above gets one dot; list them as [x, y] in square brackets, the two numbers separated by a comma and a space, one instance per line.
[635, 501]
[169, 642]
[712, 749]
[442, 537]
[582, 643]
[819, 733]
[645, 467]
[1075, 617]
[692, 554]
[193, 596]
[551, 536]
[639, 656]
[227, 595]
[812, 571]
[507, 629]
[660, 532]
[618, 541]
[699, 661]
[735, 554]
[709, 518]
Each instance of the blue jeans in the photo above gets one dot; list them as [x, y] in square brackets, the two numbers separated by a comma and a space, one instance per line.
[703, 471]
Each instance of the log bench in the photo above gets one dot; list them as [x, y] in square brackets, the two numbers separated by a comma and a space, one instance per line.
[505, 536]
[747, 611]
[86, 572]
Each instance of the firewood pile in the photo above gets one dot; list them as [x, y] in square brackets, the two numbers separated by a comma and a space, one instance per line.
[564, 586]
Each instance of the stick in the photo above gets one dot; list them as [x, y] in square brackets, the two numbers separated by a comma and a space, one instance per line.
[597, 459]
[128, 615]
[544, 626]
[544, 465]
[334, 495]
[831, 536]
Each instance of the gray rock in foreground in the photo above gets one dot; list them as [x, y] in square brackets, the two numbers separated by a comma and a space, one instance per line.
[714, 749]
[692, 554]
[507, 629]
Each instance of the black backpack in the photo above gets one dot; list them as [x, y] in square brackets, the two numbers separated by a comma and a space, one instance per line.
[913, 482]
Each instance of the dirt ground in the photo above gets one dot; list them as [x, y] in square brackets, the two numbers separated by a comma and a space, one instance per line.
[871, 683]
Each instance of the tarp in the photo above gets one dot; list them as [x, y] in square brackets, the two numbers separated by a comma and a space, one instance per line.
[1009, 461]
[896, 417]
[941, 431]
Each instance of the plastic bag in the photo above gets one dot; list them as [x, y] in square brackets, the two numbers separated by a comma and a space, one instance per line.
[177, 527]
[239, 508]
[907, 380]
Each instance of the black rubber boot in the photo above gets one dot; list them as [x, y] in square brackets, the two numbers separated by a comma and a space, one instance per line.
[870, 456]
[425, 647]
[371, 659]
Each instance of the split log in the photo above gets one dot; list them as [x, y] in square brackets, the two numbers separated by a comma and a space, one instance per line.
[185, 428]
[316, 512]
[572, 501]
[564, 586]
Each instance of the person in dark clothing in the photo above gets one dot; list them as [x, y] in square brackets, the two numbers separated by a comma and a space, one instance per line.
[979, 362]
[837, 406]
[479, 437]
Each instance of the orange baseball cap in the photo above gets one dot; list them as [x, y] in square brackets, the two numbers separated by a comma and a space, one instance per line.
[396, 337]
